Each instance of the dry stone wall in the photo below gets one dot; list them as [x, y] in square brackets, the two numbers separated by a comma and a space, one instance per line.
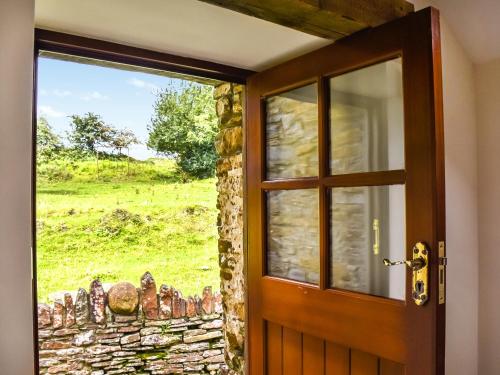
[229, 145]
[130, 330]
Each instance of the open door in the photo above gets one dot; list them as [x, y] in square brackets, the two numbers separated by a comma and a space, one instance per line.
[346, 220]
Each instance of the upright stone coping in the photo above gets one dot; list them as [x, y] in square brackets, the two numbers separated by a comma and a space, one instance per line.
[149, 297]
[229, 146]
[176, 335]
[97, 302]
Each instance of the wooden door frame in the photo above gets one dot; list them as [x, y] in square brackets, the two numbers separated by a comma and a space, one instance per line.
[74, 45]
[421, 31]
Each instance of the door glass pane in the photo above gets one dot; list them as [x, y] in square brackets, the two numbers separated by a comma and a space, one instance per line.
[292, 134]
[367, 119]
[293, 234]
[368, 225]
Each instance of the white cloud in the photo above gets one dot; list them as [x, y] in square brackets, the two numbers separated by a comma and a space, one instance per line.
[48, 111]
[56, 92]
[62, 93]
[94, 95]
[143, 84]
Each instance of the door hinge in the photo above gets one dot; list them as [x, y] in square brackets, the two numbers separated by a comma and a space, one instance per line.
[443, 261]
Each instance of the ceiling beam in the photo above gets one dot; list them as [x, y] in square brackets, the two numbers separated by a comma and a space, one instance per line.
[331, 19]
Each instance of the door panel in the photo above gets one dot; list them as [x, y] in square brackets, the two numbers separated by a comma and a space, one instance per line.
[337, 359]
[345, 168]
[363, 363]
[336, 318]
[292, 352]
[313, 352]
[391, 368]
[274, 346]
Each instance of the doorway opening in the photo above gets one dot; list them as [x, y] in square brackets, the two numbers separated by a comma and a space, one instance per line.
[131, 172]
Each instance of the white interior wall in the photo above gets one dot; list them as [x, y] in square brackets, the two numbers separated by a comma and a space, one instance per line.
[488, 115]
[16, 57]
[461, 209]
[461, 204]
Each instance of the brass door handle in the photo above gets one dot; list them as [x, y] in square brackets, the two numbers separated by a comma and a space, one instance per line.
[414, 264]
[420, 267]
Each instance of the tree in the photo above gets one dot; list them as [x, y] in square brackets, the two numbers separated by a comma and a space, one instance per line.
[124, 139]
[48, 143]
[89, 133]
[184, 126]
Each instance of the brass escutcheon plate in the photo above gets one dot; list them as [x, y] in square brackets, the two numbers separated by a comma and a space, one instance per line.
[420, 286]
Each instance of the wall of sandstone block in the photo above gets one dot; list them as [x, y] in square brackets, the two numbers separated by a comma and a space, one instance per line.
[229, 146]
[130, 330]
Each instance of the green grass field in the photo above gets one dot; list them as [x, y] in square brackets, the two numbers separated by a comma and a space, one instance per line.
[120, 226]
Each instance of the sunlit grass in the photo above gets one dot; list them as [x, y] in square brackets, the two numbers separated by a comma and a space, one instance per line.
[121, 226]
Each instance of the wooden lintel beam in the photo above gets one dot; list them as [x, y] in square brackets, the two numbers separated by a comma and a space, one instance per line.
[331, 19]
[82, 47]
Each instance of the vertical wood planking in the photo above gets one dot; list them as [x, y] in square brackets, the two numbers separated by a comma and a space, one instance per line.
[336, 359]
[363, 363]
[391, 368]
[313, 355]
[274, 349]
[292, 352]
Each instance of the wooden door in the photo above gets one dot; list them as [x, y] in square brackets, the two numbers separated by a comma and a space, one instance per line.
[344, 168]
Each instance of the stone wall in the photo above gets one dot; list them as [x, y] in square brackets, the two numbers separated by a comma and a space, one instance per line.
[132, 331]
[229, 145]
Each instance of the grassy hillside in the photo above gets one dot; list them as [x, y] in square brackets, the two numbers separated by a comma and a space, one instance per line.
[122, 225]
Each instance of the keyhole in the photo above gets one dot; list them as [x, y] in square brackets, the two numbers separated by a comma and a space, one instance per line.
[419, 287]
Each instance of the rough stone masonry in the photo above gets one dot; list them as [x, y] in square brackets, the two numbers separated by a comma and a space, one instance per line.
[131, 330]
[229, 145]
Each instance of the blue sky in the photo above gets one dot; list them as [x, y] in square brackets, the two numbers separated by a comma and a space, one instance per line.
[123, 99]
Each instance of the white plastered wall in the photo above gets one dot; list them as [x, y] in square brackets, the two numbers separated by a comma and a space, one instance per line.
[16, 56]
[461, 204]
[462, 243]
[488, 115]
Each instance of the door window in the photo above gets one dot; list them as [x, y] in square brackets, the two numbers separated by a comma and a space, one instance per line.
[292, 134]
[368, 225]
[364, 132]
[293, 234]
[367, 119]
